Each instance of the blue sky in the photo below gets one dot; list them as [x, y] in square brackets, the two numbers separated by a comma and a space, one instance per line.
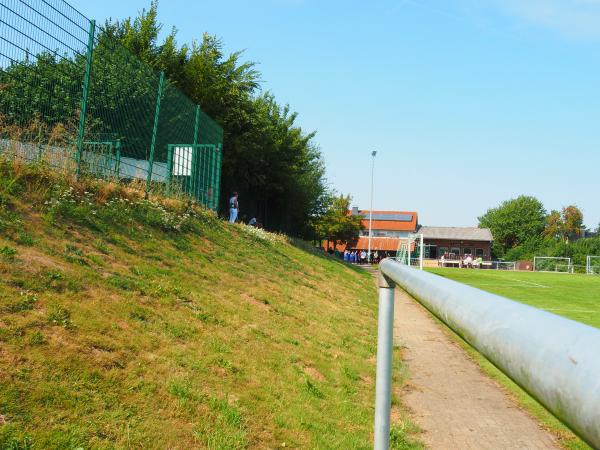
[467, 102]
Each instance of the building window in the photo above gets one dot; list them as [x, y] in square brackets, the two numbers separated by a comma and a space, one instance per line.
[455, 251]
[443, 251]
[467, 251]
[479, 252]
[430, 251]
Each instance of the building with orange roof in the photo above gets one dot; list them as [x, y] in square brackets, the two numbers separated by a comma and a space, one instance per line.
[392, 228]
[388, 229]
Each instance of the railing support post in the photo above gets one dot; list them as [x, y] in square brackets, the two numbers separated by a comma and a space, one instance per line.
[84, 94]
[154, 131]
[383, 382]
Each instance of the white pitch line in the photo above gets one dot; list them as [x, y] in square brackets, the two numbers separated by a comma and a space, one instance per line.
[531, 283]
[511, 285]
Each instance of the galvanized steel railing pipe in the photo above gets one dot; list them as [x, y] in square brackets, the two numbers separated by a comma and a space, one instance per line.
[556, 360]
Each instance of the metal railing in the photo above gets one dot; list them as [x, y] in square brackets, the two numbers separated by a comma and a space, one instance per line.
[556, 360]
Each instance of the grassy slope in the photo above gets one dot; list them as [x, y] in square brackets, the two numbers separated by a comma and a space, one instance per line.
[572, 296]
[119, 336]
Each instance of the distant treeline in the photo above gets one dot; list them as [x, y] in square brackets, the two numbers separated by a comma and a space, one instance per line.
[522, 229]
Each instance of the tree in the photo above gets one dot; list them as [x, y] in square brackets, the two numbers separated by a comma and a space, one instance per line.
[572, 220]
[514, 222]
[565, 224]
[554, 225]
[273, 164]
[337, 224]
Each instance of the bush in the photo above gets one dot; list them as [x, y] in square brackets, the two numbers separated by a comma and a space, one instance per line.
[8, 253]
[59, 316]
[26, 302]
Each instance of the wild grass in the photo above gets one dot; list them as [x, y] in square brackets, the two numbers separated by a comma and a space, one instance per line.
[133, 324]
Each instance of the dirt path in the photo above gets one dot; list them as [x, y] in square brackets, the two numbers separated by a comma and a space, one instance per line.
[456, 405]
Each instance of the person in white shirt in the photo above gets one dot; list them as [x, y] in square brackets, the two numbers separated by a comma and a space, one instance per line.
[233, 208]
[469, 261]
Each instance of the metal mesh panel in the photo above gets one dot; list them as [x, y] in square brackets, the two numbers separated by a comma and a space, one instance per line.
[42, 59]
[193, 169]
[71, 94]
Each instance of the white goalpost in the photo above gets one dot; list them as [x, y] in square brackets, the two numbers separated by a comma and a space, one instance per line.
[410, 251]
[504, 265]
[592, 265]
[552, 264]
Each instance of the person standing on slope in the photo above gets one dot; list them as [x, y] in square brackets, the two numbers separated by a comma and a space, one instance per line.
[233, 208]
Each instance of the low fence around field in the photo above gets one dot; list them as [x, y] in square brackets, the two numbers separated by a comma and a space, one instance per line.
[552, 358]
[65, 158]
[200, 182]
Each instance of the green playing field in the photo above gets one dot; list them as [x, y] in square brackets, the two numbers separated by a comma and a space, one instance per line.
[574, 296]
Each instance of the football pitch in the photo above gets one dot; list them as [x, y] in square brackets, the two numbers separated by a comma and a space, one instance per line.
[574, 296]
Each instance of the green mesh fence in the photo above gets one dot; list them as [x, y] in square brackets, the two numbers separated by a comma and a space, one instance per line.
[73, 96]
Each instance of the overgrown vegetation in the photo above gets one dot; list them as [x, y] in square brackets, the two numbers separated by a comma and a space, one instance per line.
[127, 323]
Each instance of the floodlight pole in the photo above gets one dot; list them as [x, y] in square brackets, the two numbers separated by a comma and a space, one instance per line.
[373, 154]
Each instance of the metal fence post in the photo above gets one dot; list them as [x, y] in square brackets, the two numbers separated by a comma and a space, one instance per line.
[154, 131]
[218, 178]
[383, 382]
[118, 167]
[85, 92]
[195, 156]
[196, 124]
[169, 168]
[213, 174]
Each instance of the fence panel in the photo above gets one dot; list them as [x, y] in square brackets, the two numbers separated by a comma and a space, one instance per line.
[74, 96]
